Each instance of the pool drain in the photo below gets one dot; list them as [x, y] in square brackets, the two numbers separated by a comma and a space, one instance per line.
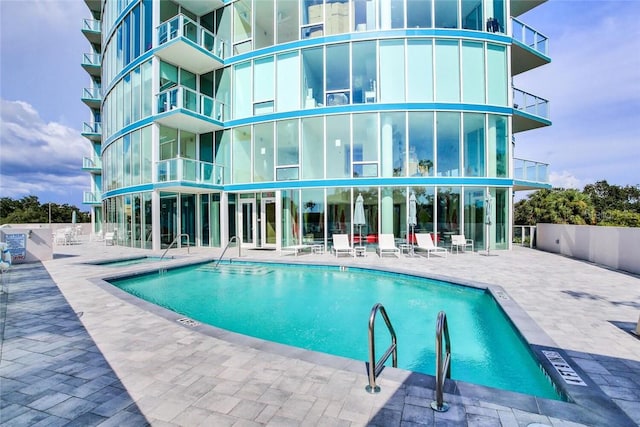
[188, 322]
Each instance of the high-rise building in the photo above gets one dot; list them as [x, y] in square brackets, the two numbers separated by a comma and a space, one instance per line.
[266, 119]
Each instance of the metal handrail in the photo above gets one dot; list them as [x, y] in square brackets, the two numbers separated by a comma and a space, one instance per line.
[374, 369]
[239, 242]
[442, 370]
[174, 241]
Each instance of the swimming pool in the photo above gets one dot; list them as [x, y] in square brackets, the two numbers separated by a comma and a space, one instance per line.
[326, 309]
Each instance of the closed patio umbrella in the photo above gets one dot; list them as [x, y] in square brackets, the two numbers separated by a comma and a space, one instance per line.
[358, 215]
[412, 217]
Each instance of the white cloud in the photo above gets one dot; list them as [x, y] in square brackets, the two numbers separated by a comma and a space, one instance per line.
[38, 156]
[565, 179]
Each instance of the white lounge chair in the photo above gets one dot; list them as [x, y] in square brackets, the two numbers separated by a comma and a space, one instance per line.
[387, 245]
[341, 245]
[109, 238]
[424, 243]
[459, 241]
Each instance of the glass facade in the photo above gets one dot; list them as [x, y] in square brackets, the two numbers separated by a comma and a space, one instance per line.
[257, 119]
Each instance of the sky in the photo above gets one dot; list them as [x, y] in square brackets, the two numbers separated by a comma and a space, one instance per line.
[592, 84]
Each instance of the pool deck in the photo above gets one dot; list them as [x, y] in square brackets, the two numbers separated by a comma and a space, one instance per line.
[78, 352]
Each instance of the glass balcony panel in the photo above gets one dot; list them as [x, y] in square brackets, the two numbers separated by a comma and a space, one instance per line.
[529, 170]
[182, 26]
[180, 169]
[531, 104]
[190, 100]
[529, 36]
[91, 25]
[92, 197]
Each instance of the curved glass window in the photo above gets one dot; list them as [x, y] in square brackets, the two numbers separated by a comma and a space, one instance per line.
[448, 144]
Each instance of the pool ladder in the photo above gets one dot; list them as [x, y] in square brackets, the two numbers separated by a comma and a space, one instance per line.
[179, 236]
[227, 247]
[443, 367]
[375, 368]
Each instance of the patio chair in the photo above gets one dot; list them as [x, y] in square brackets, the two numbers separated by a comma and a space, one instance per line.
[424, 243]
[109, 238]
[387, 245]
[341, 245]
[459, 241]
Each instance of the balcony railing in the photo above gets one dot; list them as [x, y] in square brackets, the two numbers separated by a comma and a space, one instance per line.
[531, 104]
[93, 128]
[530, 37]
[91, 59]
[528, 170]
[182, 26]
[91, 25]
[91, 197]
[91, 93]
[179, 169]
[182, 97]
[91, 163]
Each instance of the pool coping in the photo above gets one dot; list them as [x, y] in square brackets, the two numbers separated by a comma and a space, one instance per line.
[582, 399]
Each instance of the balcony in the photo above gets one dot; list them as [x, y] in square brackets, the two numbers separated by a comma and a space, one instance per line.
[529, 111]
[530, 175]
[91, 30]
[92, 131]
[92, 97]
[530, 48]
[200, 7]
[92, 198]
[518, 7]
[92, 164]
[183, 42]
[91, 64]
[183, 108]
[93, 5]
[178, 171]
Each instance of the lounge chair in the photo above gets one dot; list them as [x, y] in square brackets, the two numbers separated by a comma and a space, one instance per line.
[109, 238]
[341, 245]
[424, 243]
[387, 244]
[459, 241]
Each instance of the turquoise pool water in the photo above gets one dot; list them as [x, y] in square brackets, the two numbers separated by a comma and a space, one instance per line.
[327, 310]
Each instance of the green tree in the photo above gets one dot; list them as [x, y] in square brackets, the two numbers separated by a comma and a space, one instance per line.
[30, 210]
[606, 197]
[556, 206]
[618, 218]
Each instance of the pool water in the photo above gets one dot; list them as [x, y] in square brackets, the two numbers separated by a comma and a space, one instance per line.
[326, 309]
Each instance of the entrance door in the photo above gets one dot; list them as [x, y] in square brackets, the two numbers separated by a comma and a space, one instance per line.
[247, 225]
[268, 222]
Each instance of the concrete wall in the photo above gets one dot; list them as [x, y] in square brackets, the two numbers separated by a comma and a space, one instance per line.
[615, 247]
[37, 244]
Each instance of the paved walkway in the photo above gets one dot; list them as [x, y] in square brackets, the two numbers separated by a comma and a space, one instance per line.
[76, 352]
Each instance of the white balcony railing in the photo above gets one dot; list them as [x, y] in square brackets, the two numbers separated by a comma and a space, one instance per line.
[528, 170]
[179, 169]
[529, 37]
[531, 104]
[182, 26]
[183, 97]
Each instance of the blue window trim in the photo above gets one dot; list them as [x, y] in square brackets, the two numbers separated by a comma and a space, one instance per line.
[126, 130]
